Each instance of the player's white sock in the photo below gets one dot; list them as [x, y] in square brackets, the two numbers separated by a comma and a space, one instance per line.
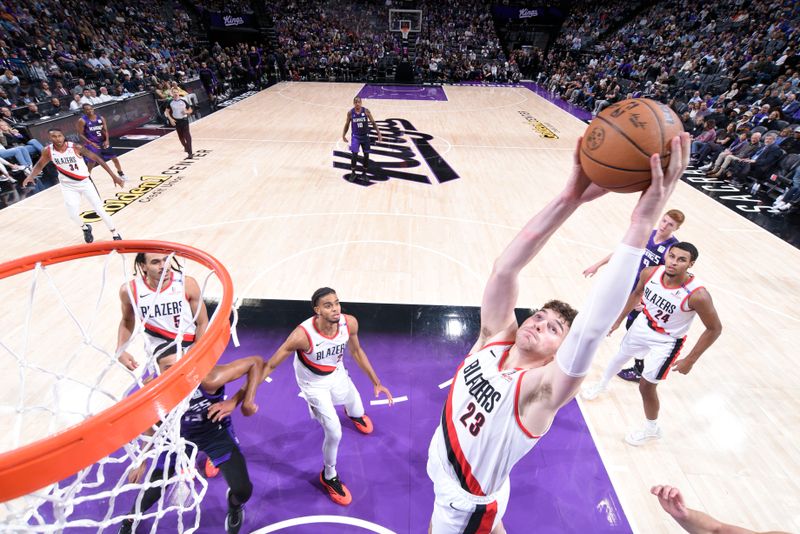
[330, 471]
[651, 426]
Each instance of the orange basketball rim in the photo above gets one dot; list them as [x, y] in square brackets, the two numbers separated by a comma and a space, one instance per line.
[56, 457]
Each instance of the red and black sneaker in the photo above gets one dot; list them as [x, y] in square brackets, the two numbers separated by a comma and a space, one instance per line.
[363, 424]
[210, 469]
[337, 491]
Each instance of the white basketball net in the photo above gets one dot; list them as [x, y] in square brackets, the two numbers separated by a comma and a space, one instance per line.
[56, 381]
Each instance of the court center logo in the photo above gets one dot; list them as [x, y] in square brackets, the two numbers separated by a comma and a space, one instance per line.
[148, 189]
[396, 156]
[545, 131]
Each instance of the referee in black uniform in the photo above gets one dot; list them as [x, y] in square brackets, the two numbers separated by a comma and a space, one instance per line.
[177, 113]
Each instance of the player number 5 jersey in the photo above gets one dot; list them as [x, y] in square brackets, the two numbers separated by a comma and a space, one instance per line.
[167, 312]
[666, 309]
[482, 436]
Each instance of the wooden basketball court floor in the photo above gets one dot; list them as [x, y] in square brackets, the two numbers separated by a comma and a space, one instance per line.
[266, 199]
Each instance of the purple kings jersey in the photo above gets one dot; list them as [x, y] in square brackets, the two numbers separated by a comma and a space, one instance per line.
[93, 130]
[358, 123]
[195, 422]
[654, 253]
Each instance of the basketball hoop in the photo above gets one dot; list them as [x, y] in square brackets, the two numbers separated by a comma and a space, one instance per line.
[47, 461]
[405, 29]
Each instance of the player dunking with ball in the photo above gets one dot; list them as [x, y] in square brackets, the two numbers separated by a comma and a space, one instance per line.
[318, 345]
[506, 393]
[74, 179]
[358, 117]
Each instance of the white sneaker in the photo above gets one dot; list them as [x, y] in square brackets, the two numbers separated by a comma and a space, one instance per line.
[642, 436]
[785, 206]
[592, 391]
[706, 167]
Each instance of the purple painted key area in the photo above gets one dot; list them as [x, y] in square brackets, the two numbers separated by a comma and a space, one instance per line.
[403, 92]
[560, 487]
[436, 92]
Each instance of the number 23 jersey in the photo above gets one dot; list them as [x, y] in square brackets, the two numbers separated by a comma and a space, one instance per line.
[481, 433]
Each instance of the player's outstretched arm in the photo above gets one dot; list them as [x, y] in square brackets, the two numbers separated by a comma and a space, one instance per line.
[362, 361]
[611, 291]
[694, 521]
[252, 366]
[502, 289]
[592, 270]
[297, 340]
[700, 301]
[44, 159]
[634, 298]
[97, 159]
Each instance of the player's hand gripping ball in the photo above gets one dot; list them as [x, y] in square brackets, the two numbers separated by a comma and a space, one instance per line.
[616, 148]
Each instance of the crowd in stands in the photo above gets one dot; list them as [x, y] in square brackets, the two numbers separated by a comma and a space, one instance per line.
[728, 68]
[57, 56]
[458, 42]
[719, 64]
[340, 40]
[224, 6]
[347, 40]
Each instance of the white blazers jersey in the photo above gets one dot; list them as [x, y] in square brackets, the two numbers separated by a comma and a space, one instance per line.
[69, 163]
[667, 309]
[481, 434]
[325, 353]
[167, 313]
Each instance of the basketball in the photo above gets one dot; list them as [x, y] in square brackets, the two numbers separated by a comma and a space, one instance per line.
[617, 145]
